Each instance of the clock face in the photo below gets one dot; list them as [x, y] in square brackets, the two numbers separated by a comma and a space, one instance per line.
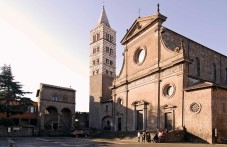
[141, 56]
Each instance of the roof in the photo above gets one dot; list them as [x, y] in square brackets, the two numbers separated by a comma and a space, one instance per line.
[103, 18]
[58, 87]
[204, 85]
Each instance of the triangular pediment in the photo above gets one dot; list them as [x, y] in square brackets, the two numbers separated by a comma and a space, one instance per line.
[140, 24]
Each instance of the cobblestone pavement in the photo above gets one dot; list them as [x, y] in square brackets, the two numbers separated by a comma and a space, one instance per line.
[86, 142]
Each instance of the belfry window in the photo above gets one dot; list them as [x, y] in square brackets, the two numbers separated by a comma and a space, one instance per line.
[98, 36]
[97, 60]
[97, 49]
[94, 38]
[107, 49]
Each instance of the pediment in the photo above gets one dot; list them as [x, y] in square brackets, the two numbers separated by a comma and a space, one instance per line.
[140, 24]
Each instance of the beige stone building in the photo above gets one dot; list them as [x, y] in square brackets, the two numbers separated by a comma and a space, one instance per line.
[167, 81]
[56, 107]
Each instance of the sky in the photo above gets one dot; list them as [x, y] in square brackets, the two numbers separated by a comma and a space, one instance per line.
[47, 41]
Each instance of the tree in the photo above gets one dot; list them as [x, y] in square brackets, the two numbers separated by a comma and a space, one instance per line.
[11, 94]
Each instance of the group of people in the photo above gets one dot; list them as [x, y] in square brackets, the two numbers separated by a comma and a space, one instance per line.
[145, 136]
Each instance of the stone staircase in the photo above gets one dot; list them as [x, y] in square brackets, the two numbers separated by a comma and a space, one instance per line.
[174, 136]
[115, 135]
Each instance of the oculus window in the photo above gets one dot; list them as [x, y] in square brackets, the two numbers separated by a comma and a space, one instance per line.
[140, 55]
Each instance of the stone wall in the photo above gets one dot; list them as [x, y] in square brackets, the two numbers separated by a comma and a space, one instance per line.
[198, 112]
[219, 111]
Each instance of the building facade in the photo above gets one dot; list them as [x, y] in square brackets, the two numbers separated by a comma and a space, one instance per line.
[169, 81]
[56, 107]
[102, 72]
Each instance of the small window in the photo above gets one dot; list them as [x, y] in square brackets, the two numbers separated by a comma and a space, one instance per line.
[111, 51]
[94, 50]
[111, 73]
[97, 71]
[107, 49]
[32, 109]
[94, 38]
[107, 72]
[98, 36]
[107, 108]
[93, 62]
[97, 60]
[55, 98]
[107, 61]
[98, 49]
[111, 62]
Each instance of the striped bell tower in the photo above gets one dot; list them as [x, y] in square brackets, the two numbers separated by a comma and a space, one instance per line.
[102, 72]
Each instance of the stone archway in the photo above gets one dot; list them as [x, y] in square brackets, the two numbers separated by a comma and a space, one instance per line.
[107, 123]
[65, 119]
[51, 118]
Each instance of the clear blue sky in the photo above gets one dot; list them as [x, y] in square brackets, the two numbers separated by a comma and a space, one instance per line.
[47, 41]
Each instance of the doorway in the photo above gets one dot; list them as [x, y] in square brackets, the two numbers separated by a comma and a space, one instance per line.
[169, 121]
[55, 126]
[119, 124]
[139, 120]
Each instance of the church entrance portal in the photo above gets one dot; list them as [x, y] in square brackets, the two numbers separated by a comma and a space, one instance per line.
[140, 115]
[168, 121]
[139, 120]
[119, 124]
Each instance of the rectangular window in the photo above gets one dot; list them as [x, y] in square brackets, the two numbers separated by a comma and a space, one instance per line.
[111, 62]
[98, 36]
[107, 61]
[93, 62]
[107, 72]
[107, 49]
[97, 61]
[32, 109]
[55, 98]
[97, 49]
[94, 50]
[111, 51]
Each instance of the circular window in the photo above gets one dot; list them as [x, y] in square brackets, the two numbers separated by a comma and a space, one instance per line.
[195, 107]
[169, 90]
[140, 55]
[120, 102]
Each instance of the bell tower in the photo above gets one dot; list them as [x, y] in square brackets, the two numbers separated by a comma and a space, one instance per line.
[102, 72]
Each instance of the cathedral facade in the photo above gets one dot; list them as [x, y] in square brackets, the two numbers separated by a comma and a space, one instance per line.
[167, 81]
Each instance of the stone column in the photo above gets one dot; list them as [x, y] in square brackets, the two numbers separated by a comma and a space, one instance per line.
[145, 117]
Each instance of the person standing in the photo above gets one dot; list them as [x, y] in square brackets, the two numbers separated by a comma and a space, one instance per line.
[139, 136]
